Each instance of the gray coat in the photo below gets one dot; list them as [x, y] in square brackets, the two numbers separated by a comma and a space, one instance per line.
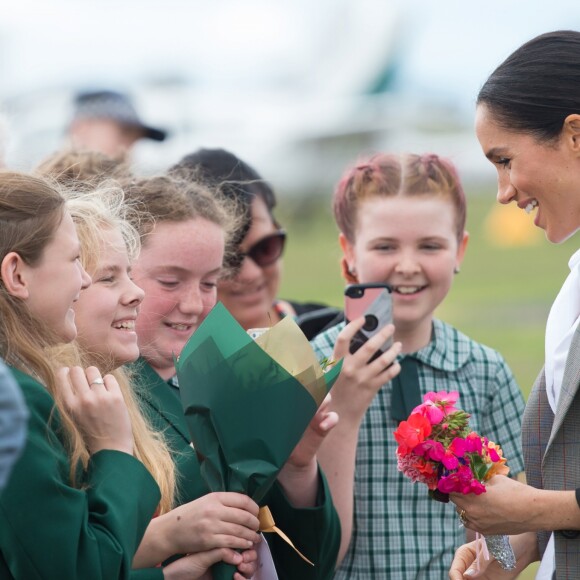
[551, 446]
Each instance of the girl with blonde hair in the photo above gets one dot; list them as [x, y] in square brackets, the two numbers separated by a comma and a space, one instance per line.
[60, 518]
[106, 313]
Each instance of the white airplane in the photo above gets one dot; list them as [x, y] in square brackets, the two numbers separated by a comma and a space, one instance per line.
[297, 89]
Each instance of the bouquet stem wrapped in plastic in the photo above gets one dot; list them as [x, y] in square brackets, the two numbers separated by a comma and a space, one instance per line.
[500, 548]
[247, 403]
[436, 447]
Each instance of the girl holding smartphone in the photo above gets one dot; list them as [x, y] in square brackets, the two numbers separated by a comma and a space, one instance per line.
[402, 223]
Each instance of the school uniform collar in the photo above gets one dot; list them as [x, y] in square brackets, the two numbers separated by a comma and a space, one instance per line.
[448, 350]
[160, 397]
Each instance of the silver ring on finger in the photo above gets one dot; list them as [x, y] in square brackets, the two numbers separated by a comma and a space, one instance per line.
[97, 381]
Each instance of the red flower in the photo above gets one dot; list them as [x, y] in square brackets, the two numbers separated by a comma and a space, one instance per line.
[412, 432]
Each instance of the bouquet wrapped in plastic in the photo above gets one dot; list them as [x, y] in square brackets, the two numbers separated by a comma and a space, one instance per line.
[247, 403]
[437, 448]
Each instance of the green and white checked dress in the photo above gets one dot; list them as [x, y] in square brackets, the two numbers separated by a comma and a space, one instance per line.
[398, 532]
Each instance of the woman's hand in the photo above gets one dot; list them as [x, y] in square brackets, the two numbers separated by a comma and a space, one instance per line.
[511, 507]
[196, 566]
[299, 476]
[464, 563]
[97, 406]
[359, 380]
[216, 520]
[506, 507]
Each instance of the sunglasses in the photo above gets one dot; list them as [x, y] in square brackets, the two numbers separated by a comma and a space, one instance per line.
[267, 250]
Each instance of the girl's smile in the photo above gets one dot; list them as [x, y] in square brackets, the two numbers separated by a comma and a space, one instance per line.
[399, 241]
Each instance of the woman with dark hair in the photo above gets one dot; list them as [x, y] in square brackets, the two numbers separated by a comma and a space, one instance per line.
[528, 125]
[252, 294]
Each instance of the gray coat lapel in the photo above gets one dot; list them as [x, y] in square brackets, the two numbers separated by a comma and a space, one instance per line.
[570, 384]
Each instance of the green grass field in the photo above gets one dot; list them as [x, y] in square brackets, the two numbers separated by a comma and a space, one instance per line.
[501, 297]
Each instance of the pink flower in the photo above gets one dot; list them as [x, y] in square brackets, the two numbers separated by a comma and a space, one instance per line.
[433, 450]
[448, 484]
[458, 481]
[430, 411]
[476, 487]
[498, 467]
[456, 449]
[436, 405]
[418, 469]
[444, 400]
[450, 461]
[493, 454]
[473, 443]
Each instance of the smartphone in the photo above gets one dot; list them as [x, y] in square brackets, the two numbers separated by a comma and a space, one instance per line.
[374, 302]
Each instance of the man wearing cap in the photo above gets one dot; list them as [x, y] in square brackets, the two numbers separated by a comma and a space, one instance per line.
[107, 121]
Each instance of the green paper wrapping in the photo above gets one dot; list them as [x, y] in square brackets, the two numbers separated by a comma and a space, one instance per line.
[245, 410]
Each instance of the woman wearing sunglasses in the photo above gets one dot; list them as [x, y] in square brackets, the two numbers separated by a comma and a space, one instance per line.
[251, 295]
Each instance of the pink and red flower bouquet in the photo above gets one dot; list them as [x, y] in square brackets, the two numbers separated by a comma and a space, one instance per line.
[437, 448]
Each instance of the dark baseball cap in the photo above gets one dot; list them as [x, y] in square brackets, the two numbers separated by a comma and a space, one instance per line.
[115, 106]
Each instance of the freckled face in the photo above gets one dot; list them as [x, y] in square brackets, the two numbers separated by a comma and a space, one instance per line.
[178, 269]
[543, 177]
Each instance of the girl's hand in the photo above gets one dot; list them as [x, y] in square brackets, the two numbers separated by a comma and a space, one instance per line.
[299, 476]
[464, 565]
[320, 426]
[97, 406]
[525, 548]
[359, 380]
[352, 393]
[196, 566]
[249, 566]
[215, 520]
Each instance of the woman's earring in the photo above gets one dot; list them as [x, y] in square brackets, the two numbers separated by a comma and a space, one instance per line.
[352, 270]
[456, 270]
